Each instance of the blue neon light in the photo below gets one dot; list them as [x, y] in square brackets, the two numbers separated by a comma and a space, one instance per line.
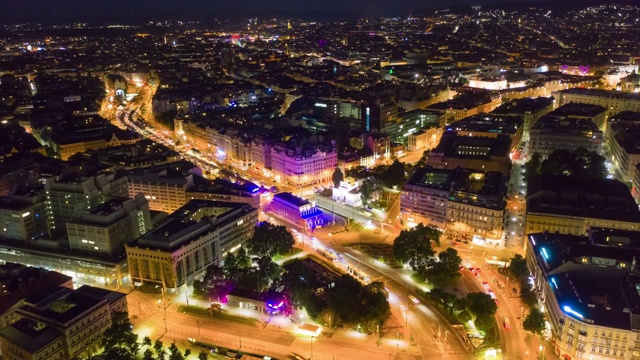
[572, 312]
[545, 254]
[553, 280]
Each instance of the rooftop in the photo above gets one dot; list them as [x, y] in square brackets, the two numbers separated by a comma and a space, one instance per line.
[594, 278]
[488, 123]
[602, 93]
[291, 199]
[30, 335]
[524, 106]
[453, 145]
[578, 110]
[556, 124]
[580, 197]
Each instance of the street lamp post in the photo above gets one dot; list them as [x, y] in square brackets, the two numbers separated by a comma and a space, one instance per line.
[198, 323]
[311, 348]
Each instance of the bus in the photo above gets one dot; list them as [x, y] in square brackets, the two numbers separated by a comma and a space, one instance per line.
[358, 274]
[327, 254]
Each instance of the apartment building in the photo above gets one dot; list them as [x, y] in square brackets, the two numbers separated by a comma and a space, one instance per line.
[198, 234]
[613, 101]
[588, 285]
[553, 133]
[468, 204]
[163, 190]
[571, 205]
[69, 196]
[624, 149]
[529, 109]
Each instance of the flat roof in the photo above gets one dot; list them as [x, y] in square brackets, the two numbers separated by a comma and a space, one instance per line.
[30, 335]
[573, 196]
[488, 123]
[291, 199]
[524, 106]
[602, 93]
[452, 145]
[552, 123]
[578, 110]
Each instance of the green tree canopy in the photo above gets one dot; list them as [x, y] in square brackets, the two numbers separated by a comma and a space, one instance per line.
[270, 240]
[534, 322]
[337, 177]
[120, 335]
[481, 304]
[485, 322]
[415, 247]
[366, 191]
[518, 267]
[448, 264]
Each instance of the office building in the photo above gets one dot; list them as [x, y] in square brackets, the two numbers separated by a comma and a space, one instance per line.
[23, 215]
[164, 190]
[199, 234]
[553, 133]
[295, 210]
[69, 196]
[529, 109]
[468, 204]
[466, 104]
[61, 324]
[571, 205]
[478, 153]
[107, 227]
[588, 286]
[491, 126]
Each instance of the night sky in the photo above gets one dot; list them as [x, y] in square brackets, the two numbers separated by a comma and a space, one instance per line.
[38, 9]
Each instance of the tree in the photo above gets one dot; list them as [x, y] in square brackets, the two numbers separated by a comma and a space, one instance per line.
[214, 278]
[518, 266]
[203, 355]
[120, 336]
[270, 240]
[448, 264]
[533, 166]
[174, 352]
[366, 190]
[415, 248]
[481, 304]
[534, 322]
[146, 341]
[159, 349]
[337, 177]
[394, 175]
[268, 271]
[148, 355]
[485, 322]
[464, 316]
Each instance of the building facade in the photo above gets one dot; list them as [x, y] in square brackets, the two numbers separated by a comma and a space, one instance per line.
[529, 109]
[298, 211]
[588, 287]
[106, 228]
[198, 235]
[613, 101]
[551, 133]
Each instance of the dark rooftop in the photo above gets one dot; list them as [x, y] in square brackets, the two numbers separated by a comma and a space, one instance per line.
[578, 110]
[291, 199]
[30, 335]
[488, 123]
[524, 106]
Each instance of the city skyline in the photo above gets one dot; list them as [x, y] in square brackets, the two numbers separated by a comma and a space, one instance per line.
[72, 10]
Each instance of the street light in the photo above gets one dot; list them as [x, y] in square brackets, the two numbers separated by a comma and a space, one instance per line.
[541, 348]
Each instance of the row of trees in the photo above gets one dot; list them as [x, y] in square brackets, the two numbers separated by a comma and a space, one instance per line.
[534, 322]
[239, 268]
[477, 306]
[415, 247]
[347, 302]
[121, 343]
[390, 175]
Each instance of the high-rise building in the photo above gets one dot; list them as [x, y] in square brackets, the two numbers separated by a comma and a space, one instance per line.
[106, 228]
[69, 196]
[23, 215]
